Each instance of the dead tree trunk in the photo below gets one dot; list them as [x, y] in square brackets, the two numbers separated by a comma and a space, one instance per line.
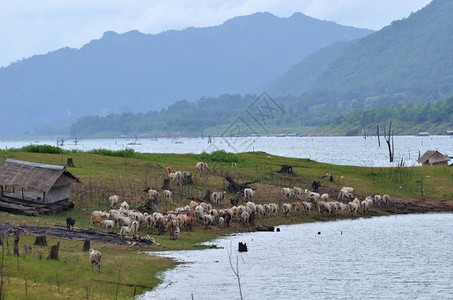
[389, 141]
[235, 187]
[86, 245]
[53, 254]
[286, 169]
[40, 240]
[378, 137]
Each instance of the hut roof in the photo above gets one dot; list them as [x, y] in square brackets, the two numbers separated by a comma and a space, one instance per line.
[33, 176]
[432, 157]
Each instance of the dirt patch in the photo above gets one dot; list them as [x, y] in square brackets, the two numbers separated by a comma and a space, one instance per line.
[7, 229]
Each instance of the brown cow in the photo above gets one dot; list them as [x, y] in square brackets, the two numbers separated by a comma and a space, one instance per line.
[97, 219]
[190, 223]
[296, 206]
[172, 228]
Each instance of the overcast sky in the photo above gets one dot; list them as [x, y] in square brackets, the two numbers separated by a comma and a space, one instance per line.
[29, 27]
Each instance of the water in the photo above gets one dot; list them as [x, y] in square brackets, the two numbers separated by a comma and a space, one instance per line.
[395, 257]
[336, 150]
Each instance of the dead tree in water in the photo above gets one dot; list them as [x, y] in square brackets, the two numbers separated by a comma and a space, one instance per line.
[378, 138]
[389, 141]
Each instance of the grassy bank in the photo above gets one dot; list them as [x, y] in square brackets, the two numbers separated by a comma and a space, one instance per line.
[127, 174]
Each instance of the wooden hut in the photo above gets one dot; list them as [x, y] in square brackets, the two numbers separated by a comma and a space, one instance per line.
[433, 157]
[34, 182]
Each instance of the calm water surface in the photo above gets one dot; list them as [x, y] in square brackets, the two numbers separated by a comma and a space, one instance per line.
[336, 150]
[402, 257]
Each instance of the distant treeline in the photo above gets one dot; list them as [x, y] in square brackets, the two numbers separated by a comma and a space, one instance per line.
[312, 110]
[407, 118]
[204, 116]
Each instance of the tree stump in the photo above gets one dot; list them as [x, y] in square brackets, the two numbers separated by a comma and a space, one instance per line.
[86, 245]
[242, 247]
[166, 184]
[16, 245]
[53, 254]
[286, 169]
[70, 163]
[187, 179]
[252, 219]
[40, 240]
[207, 196]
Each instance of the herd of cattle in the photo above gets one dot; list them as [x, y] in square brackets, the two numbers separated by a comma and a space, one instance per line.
[217, 213]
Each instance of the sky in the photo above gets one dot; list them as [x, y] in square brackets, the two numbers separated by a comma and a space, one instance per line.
[30, 27]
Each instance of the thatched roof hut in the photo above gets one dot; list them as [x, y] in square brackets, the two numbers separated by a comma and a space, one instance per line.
[433, 157]
[35, 182]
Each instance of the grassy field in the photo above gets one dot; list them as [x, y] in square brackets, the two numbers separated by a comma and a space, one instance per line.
[105, 174]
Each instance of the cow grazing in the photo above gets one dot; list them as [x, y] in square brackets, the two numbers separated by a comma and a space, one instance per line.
[69, 223]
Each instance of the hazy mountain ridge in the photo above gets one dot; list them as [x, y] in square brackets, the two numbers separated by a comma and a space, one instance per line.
[408, 64]
[135, 72]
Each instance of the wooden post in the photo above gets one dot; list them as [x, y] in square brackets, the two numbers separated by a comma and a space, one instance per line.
[70, 162]
[86, 245]
[16, 244]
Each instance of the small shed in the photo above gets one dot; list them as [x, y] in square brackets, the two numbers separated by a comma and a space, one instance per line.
[38, 183]
[433, 157]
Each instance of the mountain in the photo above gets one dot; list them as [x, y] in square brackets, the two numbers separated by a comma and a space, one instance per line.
[301, 77]
[409, 60]
[136, 72]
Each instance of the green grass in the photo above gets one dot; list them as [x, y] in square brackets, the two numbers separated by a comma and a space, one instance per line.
[104, 174]
[32, 276]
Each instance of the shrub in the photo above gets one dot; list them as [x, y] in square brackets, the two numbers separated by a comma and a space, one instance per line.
[42, 149]
[118, 153]
[220, 156]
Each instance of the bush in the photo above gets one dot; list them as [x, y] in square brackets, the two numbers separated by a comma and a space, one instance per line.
[220, 156]
[118, 153]
[42, 149]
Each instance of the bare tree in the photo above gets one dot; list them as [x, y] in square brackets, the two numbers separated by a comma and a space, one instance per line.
[378, 138]
[389, 141]
[235, 271]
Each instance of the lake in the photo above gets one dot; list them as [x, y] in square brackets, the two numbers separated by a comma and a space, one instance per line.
[394, 257]
[355, 151]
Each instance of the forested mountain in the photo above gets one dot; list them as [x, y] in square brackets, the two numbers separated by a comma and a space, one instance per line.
[411, 59]
[135, 72]
[406, 118]
[301, 77]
